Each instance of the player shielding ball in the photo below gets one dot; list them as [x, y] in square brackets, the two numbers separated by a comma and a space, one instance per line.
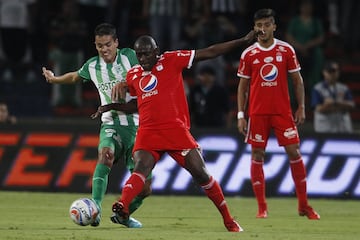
[265, 66]
[118, 129]
[164, 119]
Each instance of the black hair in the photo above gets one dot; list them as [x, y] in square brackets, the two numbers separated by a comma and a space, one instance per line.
[105, 29]
[329, 65]
[264, 13]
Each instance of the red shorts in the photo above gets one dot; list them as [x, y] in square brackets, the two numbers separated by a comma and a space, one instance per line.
[259, 127]
[176, 141]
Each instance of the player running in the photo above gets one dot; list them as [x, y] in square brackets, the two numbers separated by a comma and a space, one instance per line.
[265, 65]
[118, 129]
[164, 120]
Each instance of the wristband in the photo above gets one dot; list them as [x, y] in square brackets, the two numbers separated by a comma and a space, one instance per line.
[240, 115]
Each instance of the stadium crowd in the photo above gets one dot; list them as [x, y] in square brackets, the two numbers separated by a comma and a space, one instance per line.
[58, 34]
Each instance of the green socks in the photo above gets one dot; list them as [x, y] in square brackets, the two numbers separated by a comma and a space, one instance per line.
[135, 204]
[99, 183]
[99, 186]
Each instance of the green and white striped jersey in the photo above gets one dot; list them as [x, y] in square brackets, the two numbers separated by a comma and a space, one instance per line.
[105, 76]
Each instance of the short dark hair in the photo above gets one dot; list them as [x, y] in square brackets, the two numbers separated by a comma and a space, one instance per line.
[105, 29]
[264, 13]
[329, 65]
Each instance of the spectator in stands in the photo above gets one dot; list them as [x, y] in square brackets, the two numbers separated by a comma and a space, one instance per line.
[305, 32]
[93, 12]
[14, 32]
[206, 30]
[165, 19]
[209, 102]
[118, 14]
[5, 116]
[67, 33]
[332, 101]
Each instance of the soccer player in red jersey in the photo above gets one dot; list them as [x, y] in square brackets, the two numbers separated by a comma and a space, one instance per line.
[164, 119]
[263, 71]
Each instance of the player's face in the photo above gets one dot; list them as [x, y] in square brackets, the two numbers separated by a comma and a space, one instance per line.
[331, 75]
[147, 56]
[265, 27]
[106, 46]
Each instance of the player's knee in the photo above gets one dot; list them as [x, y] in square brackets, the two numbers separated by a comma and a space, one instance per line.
[258, 154]
[147, 190]
[106, 157]
[200, 176]
[293, 152]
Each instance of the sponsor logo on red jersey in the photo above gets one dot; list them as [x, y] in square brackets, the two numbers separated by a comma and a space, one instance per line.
[148, 83]
[269, 73]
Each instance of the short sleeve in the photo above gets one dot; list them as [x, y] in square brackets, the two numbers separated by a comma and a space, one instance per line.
[84, 70]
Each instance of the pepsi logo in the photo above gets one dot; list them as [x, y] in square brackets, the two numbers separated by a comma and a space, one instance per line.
[148, 83]
[269, 72]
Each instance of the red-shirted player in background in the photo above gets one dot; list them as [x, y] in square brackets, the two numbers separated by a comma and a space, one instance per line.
[164, 125]
[265, 66]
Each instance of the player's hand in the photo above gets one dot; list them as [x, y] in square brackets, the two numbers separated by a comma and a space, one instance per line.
[119, 91]
[102, 109]
[48, 74]
[251, 37]
[242, 126]
[300, 116]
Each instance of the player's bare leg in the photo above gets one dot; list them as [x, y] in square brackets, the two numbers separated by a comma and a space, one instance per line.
[194, 163]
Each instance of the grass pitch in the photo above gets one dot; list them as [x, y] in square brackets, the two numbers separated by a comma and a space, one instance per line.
[26, 215]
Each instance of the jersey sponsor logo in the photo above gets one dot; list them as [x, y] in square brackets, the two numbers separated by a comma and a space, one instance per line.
[268, 73]
[106, 86]
[268, 59]
[148, 83]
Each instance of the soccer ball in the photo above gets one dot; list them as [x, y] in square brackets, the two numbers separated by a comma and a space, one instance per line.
[83, 211]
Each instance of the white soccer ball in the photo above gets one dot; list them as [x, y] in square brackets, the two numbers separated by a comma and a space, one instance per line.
[83, 211]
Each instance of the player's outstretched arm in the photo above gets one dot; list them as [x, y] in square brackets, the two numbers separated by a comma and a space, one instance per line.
[128, 108]
[70, 77]
[221, 48]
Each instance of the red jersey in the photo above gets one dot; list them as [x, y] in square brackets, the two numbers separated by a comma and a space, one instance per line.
[160, 93]
[267, 69]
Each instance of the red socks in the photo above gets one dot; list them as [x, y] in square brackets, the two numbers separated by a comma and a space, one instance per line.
[258, 183]
[214, 192]
[298, 173]
[132, 188]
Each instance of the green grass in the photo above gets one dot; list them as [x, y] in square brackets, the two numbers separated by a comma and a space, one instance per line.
[26, 215]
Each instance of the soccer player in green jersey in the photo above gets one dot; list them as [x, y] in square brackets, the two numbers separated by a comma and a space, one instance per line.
[118, 129]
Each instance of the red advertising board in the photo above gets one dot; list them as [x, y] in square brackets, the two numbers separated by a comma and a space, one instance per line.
[61, 157]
